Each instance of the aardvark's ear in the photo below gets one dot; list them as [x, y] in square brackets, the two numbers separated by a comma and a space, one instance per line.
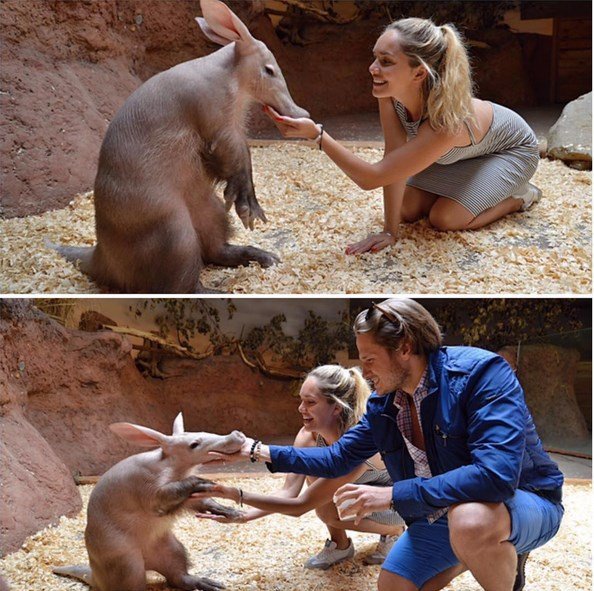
[142, 436]
[221, 25]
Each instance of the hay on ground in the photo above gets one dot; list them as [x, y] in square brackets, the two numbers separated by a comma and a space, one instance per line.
[314, 211]
[268, 554]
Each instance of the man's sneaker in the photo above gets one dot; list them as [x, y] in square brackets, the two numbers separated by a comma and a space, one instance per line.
[520, 572]
[330, 555]
[383, 547]
[529, 194]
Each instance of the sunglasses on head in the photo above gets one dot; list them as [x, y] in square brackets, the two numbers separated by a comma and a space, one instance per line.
[391, 316]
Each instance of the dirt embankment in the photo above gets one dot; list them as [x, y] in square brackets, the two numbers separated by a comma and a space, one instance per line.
[60, 389]
[67, 66]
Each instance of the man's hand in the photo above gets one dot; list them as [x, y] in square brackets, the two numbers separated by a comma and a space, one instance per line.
[373, 243]
[365, 500]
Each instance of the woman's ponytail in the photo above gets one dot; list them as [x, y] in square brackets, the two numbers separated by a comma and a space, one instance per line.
[447, 89]
[449, 100]
[361, 393]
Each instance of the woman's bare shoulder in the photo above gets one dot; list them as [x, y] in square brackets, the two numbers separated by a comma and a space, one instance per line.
[483, 117]
[304, 439]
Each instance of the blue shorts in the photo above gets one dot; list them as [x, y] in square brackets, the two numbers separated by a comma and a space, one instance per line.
[424, 550]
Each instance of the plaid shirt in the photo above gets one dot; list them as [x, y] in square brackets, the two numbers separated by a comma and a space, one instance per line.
[404, 420]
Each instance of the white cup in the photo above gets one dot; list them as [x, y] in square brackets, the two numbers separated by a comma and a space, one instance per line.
[343, 507]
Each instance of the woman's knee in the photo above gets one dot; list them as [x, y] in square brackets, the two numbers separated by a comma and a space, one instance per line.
[415, 204]
[446, 215]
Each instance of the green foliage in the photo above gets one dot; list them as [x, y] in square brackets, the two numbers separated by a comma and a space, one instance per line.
[494, 323]
[187, 318]
[317, 342]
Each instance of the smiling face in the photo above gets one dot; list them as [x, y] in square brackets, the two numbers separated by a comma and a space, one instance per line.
[390, 71]
[318, 414]
[387, 369]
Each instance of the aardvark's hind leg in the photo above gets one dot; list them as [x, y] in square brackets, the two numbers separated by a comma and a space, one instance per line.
[170, 559]
[122, 571]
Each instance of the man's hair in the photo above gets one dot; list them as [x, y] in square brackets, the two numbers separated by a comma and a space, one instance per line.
[399, 320]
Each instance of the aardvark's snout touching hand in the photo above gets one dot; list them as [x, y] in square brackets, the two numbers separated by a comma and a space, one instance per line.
[216, 458]
[298, 128]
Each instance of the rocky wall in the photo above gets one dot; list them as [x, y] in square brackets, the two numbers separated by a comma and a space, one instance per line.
[67, 66]
[60, 389]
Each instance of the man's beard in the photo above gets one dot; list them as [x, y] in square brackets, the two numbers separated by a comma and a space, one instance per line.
[396, 379]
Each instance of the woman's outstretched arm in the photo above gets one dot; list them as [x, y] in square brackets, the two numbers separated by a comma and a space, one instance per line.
[317, 494]
[397, 165]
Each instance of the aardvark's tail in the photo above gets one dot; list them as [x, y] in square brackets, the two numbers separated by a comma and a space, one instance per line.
[79, 571]
[82, 254]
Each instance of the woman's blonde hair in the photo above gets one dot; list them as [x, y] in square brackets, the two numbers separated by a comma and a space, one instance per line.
[345, 387]
[447, 89]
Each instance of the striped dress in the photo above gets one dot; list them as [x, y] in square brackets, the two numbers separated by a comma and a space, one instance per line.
[373, 477]
[482, 174]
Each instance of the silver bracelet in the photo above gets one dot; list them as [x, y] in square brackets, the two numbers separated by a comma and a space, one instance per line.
[318, 138]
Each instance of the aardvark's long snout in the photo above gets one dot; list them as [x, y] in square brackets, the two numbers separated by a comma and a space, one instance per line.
[290, 110]
[297, 112]
[231, 443]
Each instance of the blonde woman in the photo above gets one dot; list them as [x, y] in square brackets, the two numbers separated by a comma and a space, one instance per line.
[333, 399]
[460, 161]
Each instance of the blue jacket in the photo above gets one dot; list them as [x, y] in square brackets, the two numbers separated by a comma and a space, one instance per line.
[480, 440]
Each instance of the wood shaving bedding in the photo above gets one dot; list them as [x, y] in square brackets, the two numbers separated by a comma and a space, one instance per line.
[314, 211]
[268, 554]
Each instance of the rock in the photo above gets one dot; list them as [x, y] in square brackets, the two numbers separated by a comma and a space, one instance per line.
[67, 67]
[91, 321]
[547, 374]
[76, 383]
[570, 139]
[37, 487]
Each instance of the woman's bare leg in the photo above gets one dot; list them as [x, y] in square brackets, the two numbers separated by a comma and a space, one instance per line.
[447, 214]
[416, 204]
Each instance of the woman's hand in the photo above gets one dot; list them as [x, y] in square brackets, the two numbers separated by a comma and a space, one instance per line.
[362, 500]
[373, 243]
[220, 491]
[300, 128]
[242, 517]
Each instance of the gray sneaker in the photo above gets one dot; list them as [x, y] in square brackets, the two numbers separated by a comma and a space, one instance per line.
[383, 547]
[529, 194]
[330, 555]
